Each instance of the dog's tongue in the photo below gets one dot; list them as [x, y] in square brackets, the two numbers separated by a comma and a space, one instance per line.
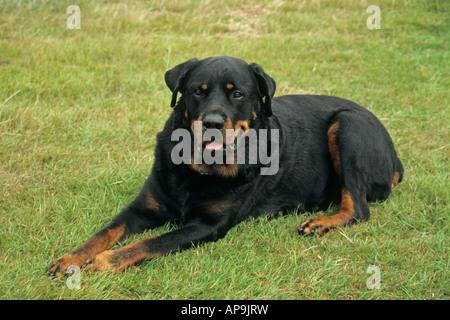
[213, 145]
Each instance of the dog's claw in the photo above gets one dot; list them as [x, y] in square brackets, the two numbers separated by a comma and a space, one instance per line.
[302, 232]
[54, 272]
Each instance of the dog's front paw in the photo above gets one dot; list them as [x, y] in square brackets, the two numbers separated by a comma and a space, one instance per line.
[60, 265]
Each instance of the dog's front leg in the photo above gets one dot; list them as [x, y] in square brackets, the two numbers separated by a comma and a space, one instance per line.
[135, 218]
[149, 248]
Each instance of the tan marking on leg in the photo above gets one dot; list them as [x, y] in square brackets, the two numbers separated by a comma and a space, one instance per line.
[122, 258]
[395, 179]
[342, 218]
[152, 204]
[215, 206]
[334, 148]
[100, 242]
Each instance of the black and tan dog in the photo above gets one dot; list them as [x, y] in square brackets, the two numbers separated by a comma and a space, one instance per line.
[328, 150]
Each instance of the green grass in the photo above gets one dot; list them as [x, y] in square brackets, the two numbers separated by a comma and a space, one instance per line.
[78, 128]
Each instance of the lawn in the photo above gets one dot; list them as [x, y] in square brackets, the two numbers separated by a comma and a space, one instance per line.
[80, 108]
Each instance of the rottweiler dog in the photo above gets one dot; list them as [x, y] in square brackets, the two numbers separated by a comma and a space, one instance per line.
[300, 153]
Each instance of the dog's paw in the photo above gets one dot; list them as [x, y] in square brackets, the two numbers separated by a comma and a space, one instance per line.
[59, 266]
[312, 227]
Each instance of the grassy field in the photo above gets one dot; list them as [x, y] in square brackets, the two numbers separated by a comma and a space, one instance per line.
[79, 110]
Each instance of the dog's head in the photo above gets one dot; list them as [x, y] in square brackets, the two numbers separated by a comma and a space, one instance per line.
[220, 95]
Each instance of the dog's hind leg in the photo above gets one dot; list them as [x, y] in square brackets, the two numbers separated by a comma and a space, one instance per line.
[352, 173]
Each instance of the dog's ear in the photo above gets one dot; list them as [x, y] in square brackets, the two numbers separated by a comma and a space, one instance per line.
[266, 86]
[175, 78]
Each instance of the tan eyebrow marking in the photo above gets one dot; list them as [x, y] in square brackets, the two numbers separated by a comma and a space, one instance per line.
[229, 86]
[204, 86]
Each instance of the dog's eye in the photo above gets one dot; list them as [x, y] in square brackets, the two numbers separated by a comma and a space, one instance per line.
[198, 92]
[237, 95]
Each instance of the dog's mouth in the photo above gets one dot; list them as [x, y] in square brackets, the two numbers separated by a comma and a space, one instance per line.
[216, 152]
[216, 158]
[215, 145]
[226, 139]
[225, 142]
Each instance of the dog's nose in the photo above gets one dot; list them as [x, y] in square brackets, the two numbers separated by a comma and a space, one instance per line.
[213, 121]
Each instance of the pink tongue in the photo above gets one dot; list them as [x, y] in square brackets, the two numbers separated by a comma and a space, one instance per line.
[213, 145]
